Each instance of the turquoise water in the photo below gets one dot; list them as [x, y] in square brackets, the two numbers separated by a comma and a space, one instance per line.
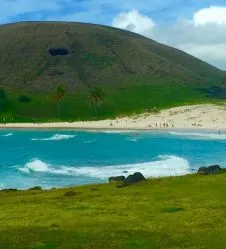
[59, 158]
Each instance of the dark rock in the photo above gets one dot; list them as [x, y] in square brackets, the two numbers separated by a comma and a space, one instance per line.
[119, 181]
[116, 179]
[210, 170]
[10, 190]
[58, 51]
[71, 194]
[136, 177]
[37, 188]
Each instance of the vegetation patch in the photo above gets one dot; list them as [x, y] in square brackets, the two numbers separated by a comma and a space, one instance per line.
[173, 212]
[172, 209]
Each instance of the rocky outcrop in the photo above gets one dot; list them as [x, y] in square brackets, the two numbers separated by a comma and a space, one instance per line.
[116, 179]
[36, 188]
[213, 169]
[136, 177]
[121, 181]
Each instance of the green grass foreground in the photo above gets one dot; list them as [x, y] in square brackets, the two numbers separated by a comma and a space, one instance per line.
[169, 213]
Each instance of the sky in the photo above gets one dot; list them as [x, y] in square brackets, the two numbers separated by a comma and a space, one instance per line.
[197, 27]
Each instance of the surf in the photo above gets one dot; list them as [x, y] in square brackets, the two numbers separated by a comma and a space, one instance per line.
[165, 165]
[200, 135]
[56, 137]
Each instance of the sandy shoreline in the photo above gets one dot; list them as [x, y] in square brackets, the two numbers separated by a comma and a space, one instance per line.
[206, 116]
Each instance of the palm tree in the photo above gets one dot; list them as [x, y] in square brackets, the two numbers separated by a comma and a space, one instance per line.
[3, 100]
[96, 97]
[59, 95]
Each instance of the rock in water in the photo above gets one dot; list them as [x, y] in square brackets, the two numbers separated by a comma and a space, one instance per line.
[210, 170]
[136, 177]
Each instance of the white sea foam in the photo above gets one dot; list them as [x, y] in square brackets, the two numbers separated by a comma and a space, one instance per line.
[200, 135]
[163, 166]
[7, 135]
[132, 139]
[118, 131]
[89, 141]
[54, 137]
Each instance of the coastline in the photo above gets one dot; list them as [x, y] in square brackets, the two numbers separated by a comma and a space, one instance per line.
[192, 117]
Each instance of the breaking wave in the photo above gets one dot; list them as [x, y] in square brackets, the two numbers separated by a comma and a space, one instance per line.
[117, 131]
[7, 135]
[163, 166]
[204, 136]
[54, 138]
[89, 141]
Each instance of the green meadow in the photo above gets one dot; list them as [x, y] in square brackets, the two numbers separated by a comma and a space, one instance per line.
[170, 213]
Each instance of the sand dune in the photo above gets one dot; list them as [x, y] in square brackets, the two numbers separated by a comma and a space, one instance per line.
[205, 116]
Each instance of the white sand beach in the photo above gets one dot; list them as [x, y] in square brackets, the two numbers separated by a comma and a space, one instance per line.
[205, 116]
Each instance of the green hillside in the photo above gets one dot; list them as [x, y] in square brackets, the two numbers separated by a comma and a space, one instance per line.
[135, 72]
[170, 213]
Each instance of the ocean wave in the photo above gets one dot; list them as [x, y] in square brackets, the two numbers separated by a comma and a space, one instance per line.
[7, 135]
[163, 166]
[55, 137]
[132, 139]
[200, 135]
[117, 131]
[89, 141]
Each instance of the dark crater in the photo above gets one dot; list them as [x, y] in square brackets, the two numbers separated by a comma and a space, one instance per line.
[58, 51]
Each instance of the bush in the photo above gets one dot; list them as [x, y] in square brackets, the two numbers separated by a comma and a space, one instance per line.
[24, 99]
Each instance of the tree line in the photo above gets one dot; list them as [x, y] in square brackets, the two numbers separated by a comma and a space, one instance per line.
[95, 98]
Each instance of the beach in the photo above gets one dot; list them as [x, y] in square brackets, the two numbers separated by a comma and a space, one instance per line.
[203, 116]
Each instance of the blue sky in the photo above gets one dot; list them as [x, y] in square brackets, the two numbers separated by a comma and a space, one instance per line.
[196, 26]
[99, 11]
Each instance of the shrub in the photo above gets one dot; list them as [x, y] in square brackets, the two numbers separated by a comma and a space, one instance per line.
[24, 99]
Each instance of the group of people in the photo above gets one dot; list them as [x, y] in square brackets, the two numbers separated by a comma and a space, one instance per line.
[164, 125]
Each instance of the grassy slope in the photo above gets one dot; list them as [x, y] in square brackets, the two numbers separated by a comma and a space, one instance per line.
[170, 213]
[135, 72]
[136, 99]
[97, 55]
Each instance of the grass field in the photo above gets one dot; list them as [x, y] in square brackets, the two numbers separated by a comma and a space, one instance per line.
[170, 213]
[117, 101]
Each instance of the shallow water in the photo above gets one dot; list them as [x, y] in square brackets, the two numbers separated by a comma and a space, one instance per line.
[59, 158]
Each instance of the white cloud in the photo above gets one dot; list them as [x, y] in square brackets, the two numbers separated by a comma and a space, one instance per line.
[133, 21]
[203, 36]
[213, 14]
